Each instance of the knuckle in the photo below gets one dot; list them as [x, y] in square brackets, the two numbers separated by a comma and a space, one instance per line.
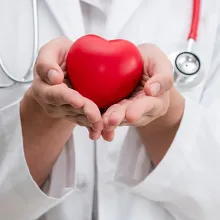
[153, 46]
[170, 68]
[81, 121]
[50, 97]
[80, 124]
[60, 39]
[39, 68]
[50, 110]
[131, 118]
[166, 82]
[36, 93]
[170, 81]
[163, 108]
[162, 112]
[149, 47]
[76, 93]
[69, 109]
[41, 50]
[70, 118]
[35, 90]
[54, 111]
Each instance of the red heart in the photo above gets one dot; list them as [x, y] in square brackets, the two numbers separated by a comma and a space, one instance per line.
[104, 71]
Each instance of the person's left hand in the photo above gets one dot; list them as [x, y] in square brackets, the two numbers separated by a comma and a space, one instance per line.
[150, 100]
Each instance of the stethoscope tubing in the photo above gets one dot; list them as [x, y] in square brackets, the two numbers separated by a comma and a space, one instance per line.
[35, 52]
[195, 20]
[183, 75]
[192, 37]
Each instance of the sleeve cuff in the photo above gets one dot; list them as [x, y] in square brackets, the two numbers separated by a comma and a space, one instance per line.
[18, 189]
[151, 183]
[63, 176]
[174, 162]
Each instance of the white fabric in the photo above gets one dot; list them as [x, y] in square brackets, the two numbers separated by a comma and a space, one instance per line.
[94, 17]
[184, 186]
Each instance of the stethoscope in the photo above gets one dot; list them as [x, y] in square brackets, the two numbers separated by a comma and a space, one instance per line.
[187, 65]
[28, 76]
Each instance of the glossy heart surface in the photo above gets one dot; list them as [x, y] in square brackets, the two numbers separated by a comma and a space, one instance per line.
[104, 71]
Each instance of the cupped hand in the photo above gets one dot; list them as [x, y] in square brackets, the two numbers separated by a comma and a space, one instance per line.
[150, 99]
[52, 90]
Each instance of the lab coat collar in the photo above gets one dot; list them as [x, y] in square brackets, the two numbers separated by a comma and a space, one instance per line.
[69, 16]
[119, 14]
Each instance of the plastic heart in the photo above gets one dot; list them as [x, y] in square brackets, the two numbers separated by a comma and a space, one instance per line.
[104, 71]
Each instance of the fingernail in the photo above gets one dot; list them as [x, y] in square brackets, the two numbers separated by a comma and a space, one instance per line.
[52, 75]
[155, 88]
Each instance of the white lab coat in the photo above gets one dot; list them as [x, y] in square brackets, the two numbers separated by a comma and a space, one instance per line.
[184, 186]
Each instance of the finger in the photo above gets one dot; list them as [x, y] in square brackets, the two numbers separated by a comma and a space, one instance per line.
[63, 67]
[106, 116]
[118, 116]
[158, 67]
[65, 109]
[143, 106]
[94, 135]
[57, 94]
[67, 82]
[80, 120]
[158, 84]
[142, 121]
[108, 135]
[115, 118]
[50, 57]
[70, 110]
[97, 126]
[114, 115]
[91, 111]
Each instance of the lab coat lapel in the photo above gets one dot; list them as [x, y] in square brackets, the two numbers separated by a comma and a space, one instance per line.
[119, 14]
[69, 17]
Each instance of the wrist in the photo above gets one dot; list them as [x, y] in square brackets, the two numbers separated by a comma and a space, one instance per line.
[44, 137]
[158, 136]
[29, 106]
[173, 115]
[31, 109]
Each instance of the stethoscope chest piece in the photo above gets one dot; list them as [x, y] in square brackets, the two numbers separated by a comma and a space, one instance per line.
[187, 64]
[187, 70]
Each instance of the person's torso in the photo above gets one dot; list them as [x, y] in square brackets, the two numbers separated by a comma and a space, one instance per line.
[165, 23]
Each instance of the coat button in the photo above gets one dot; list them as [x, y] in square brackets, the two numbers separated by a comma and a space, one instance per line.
[81, 181]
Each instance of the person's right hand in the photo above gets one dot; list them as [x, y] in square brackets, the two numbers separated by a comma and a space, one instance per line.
[52, 90]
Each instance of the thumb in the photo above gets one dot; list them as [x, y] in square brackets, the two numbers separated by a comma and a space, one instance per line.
[158, 84]
[50, 59]
[158, 67]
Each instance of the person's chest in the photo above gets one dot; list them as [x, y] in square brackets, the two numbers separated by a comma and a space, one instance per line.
[164, 23]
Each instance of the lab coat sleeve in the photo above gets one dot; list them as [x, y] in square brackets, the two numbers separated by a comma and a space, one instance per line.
[187, 180]
[20, 197]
